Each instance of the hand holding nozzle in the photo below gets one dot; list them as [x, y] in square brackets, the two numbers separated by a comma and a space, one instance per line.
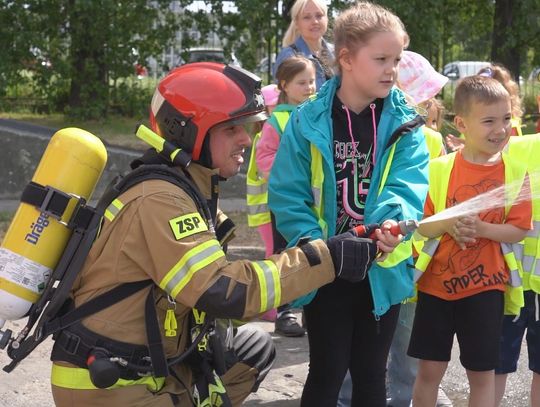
[388, 235]
[403, 227]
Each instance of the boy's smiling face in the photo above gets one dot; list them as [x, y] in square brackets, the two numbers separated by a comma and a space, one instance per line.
[486, 128]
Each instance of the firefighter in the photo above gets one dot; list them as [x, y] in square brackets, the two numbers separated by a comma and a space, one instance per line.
[161, 344]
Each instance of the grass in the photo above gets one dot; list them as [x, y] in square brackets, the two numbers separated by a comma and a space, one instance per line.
[115, 130]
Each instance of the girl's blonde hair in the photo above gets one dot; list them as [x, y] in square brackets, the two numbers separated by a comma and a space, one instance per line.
[292, 32]
[504, 76]
[355, 26]
[287, 70]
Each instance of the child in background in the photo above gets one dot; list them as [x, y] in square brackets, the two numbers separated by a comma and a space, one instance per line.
[353, 155]
[421, 83]
[296, 83]
[434, 119]
[463, 274]
[257, 190]
[435, 113]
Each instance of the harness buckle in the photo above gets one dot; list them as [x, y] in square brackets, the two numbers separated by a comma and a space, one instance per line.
[71, 342]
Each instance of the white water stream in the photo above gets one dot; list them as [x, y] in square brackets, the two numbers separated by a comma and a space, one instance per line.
[496, 198]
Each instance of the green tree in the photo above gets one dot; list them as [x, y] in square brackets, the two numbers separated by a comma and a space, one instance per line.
[90, 44]
[516, 28]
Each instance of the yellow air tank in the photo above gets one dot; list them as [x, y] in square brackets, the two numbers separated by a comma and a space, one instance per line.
[72, 163]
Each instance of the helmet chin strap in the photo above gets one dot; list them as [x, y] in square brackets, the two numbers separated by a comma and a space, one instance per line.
[205, 157]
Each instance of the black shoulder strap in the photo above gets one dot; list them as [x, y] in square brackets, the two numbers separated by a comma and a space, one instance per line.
[45, 313]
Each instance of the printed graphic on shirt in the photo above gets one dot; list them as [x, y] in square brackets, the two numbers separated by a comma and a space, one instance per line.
[187, 225]
[455, 273]
[353, 138]
[477, 269]
[353, 168]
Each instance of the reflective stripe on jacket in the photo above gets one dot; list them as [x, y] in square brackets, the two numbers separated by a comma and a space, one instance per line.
[154, 230]
[78, 378]
[440, 170]
[256, 184]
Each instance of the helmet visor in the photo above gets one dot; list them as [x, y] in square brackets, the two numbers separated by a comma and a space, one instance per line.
[250, 122]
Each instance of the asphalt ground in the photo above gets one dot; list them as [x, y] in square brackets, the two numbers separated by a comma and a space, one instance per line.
[28, 385]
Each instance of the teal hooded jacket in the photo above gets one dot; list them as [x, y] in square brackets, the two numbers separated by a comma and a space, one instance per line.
[402, 197]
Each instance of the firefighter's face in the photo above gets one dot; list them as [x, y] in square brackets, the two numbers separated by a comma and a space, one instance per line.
[227, 146]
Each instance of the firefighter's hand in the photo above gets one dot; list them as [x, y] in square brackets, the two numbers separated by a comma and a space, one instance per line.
[352, 255]
[386, 241]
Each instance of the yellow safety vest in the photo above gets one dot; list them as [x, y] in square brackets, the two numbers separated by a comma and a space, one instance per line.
[257, 186]
[516, 124]
[439, 177]
[527, 149]
[434, 142]
[402, 251]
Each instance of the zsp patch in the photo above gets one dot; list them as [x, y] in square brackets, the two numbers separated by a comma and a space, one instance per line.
[187, 225]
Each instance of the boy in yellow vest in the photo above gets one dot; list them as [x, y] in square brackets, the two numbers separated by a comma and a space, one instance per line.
[466, 266]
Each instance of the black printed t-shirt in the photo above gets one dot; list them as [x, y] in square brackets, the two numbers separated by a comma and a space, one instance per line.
[353, 162]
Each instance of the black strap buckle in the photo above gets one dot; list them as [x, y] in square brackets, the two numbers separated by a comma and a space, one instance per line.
[46, 199]
[55, 202]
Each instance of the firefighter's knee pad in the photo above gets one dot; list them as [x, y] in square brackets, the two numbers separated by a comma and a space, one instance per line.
[255, 347]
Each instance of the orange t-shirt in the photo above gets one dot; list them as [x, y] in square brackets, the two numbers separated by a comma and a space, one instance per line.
[454, 273]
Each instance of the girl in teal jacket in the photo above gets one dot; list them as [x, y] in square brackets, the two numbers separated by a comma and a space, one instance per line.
[341, 163]
[402, 196]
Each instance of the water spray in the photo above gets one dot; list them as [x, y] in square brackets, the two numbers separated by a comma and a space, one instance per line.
[495, 198]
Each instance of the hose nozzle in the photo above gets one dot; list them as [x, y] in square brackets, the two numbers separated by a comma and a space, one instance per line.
[403, 227]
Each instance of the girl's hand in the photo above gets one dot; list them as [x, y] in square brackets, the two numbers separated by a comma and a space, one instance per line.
[386, 241]
[465, 230]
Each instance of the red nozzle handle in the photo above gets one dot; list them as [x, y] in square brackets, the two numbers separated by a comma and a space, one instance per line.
[403, 227]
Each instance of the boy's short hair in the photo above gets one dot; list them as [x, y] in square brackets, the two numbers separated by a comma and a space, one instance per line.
[477, 89]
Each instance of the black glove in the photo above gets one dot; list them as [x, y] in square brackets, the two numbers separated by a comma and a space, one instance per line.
[369, 229]
[352, 255]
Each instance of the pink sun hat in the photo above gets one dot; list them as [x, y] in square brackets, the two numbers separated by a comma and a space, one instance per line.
[270, 94]
[417, 78]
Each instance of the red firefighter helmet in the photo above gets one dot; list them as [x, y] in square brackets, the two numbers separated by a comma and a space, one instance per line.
[195, 97]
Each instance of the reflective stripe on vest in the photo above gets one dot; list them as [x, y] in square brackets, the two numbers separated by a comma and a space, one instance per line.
[256, 185]
[191, 262]
[79, 379]
[269, 283]
[256, 191]
[439, 178]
